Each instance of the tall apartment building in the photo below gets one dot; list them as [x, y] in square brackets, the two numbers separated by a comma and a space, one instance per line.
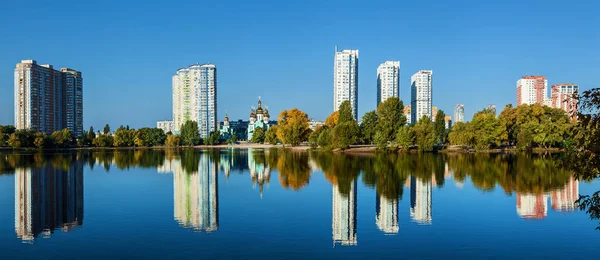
[492, 108]
[195, 97]
[407, 113]
[531, 90]
[388, 80]
[421, 89]
[459, 113]
[48, 100]
[345, 79]
[562, 97]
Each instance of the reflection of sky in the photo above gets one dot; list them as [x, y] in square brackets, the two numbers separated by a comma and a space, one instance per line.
[131, 212]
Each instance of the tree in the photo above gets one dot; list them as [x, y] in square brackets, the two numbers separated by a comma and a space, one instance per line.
[368, 127]
[232, 139]
[173, 141]
[424, 134]
[292, 127]
[214, 138]
[124, 137]
[62, 138]
[190, 135]
[332, 119]
[508, 118]
[103, 140]
[439, 126]
[405, 137]
[259, 135]
[390, 117]
[271, 135]
[41, 140]
[461, 134]
[345, 134]
[106, 129]
[487, 129]
[325, 139]
[5, 132]
[345, 112]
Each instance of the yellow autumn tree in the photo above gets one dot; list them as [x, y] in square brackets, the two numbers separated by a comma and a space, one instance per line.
[332, 120]
[292, 127]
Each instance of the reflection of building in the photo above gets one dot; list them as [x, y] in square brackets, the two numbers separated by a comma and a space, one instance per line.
[196, 196]
[532, 206]
[564, 199]
[168, 166]
[48, 198]
[387, 214]
[260, 172]
[344, 216]
[420, 201]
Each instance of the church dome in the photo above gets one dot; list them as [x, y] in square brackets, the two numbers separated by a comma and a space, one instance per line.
[252, 114]
[259, 110]
[267, 113]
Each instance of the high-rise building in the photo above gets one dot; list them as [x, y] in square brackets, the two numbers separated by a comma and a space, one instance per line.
[345, 79]
[421, 89]
[344, 216]
[387, 214]
[434, 111]
[562, 97]
[407, 113]
[447, 122]
[195, 97]
[459, 113]
[166, 126]
[48, 100]
[532, 90]
[48, 198]
[388, 80]
[492, 108]
[420, 200]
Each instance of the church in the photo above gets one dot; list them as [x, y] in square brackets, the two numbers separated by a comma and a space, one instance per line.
[258, 118]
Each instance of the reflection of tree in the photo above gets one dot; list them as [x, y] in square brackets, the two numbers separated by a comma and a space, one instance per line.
[339, 169]
[294, 171]
[387, 172]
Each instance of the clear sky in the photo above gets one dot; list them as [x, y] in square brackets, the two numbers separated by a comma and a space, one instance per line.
[283, 50]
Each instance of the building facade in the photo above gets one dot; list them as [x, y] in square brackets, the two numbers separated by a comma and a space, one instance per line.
[408, 114]
[562, 97]
[258, 118]
[421, 90]
[532, 90]
[166, 126]
[388, 80]
[345, 79]
[48, 100]
[459, 113]
[447, 122]
[195, 97]
[492, 108]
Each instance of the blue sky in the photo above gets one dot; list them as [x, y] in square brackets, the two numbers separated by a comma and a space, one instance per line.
[283, 50]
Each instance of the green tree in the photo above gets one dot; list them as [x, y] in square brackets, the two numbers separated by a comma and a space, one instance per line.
[461, 134]
[390, 117]
[424, 134]
[345, 112]
[214, 138]
[124, 137]
[173, 141]
[508, 118]
[405, 137]
[41, 140]
[190, 135]
[259, 135]
[345, 134]
[487, 129]
[368, 127]
[103, 140]
[5, 132]
[292, 127]
[313, 138]
[62, 138]
[106, 129]
[271, 135]
[232, 140]
[325, 138]
[381, 140]
[439, 126]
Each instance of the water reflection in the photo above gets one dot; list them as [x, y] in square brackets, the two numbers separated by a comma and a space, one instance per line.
[535, 206]
[420, 200]
[47, 198]
[386, 217]
[260, 172]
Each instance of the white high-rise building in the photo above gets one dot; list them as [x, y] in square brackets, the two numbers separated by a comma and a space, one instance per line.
[531, 90]
[459, 113]
[345, 79]
[388, 80]
[195, 97]
[421, 89]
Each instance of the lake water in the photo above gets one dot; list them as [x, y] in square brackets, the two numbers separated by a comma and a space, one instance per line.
[244, 203]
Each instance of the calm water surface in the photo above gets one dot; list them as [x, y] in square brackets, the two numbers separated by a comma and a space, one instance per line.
[283, 204]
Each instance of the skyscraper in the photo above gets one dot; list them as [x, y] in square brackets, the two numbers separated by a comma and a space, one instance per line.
[531, 90]
[388, 80]
[562, 97]
[345, 79]
[48, 100]
[421, 89]
[459, 113]
[195, 97]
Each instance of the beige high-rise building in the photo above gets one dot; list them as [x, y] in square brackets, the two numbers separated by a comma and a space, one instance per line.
[532, 90]
[563, 98]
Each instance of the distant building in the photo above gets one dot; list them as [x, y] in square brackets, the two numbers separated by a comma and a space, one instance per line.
[421, 93]
[258, 118]
[420, 201]
[459, 113]
[166, 126]
[313, 124]
[225, 129]
[562, 97]
[386, 214]
[434, 111]
[492, 108]
[345, 79]
[344, 216]
[532, 90]
[195, 97]
[388, 80]
[448, 122]
[48, 100]
[407, 114]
